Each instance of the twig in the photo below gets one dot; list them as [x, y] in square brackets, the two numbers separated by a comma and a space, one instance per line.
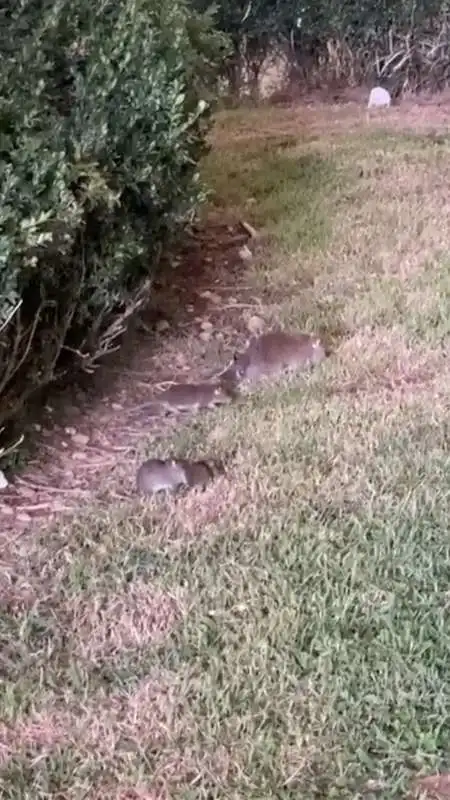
[234, 305]
[107, 449]
[252, 232]
[8, 450]
[43, 507]
[45, 488]
[11, 314]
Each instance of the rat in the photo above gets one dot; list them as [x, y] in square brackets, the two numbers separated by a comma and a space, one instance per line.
[157, 475]
[199, 473]
[188, 397]
[273, 353]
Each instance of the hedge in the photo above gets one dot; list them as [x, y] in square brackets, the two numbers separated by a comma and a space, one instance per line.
[102, 124]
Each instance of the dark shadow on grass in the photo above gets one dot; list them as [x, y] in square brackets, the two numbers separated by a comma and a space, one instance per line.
[288, 193]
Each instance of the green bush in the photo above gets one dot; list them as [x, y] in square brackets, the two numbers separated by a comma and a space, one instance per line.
[102, 124]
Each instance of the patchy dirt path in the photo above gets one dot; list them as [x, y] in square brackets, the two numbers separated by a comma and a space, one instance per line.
[86, 446]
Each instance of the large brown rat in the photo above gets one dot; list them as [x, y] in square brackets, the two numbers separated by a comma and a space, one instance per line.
[272, 354]
[188, 397]
[157, 475]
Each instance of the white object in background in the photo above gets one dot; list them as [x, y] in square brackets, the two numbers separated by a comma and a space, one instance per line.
[379, 98]
[3, 481]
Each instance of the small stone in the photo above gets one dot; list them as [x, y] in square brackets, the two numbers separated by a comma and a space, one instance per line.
[22, 516]
[255, 325]
[162, 325]
[7, 511]
[78, 456]
[116, 406]
[206, 326]
[375, 785]
[215, 298]
[245, 253]
[80, 439]
[70, 431]
[205, 336]
[379, 98]
[3, 480]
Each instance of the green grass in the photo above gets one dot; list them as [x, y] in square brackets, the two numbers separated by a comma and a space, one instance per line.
[286, 634]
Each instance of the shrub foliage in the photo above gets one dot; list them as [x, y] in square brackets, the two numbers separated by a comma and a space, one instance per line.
[404, 44]
[102, 123]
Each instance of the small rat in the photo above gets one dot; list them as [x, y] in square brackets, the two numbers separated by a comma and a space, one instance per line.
[273, 353]
[199, 473]
[157, 475]
[188, 397]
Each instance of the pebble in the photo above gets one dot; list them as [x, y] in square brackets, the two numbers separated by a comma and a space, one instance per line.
[22, 516]
[80, 439]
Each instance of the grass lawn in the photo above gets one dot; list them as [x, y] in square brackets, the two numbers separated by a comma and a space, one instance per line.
[286, 634]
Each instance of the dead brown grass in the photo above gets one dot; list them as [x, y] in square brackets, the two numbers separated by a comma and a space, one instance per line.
[434, 787]
[41, 732]
[313, 120]
[106, 625]
[384, 363]
[151, 713]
